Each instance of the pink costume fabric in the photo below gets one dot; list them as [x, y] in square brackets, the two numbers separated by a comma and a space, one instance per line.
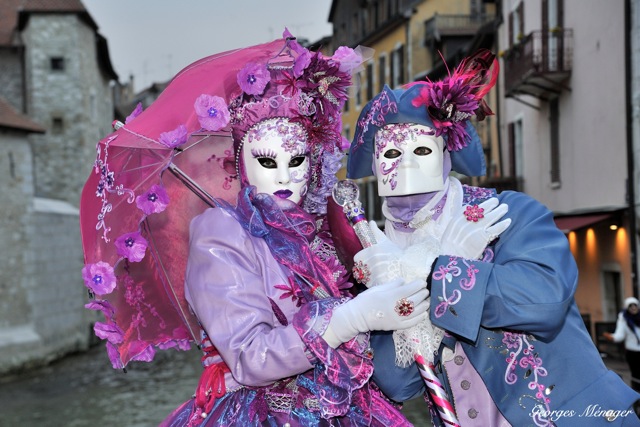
[269, 357]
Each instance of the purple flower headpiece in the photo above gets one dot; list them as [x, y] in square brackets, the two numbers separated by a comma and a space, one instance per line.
[304, 87]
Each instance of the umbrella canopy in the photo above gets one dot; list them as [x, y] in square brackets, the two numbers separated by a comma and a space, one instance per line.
[151, 177]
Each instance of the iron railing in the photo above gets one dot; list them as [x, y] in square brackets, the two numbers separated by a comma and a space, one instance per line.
[539, 53]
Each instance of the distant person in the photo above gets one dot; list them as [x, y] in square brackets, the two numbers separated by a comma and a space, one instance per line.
[628, 330]
[505, 336]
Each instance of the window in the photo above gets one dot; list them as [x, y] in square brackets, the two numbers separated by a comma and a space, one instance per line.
[57, 125]
[355, 32]
[57, 63]
[358, 90]
[369, 81]
[516, 24]
[611, 295]
[376, 14]
[397, 67]
[552, 21]
[382, 73]
[515, 149]
[554, 141]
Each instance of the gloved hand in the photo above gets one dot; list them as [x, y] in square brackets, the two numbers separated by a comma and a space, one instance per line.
[468, 239]
[378, 309]
[379, 263]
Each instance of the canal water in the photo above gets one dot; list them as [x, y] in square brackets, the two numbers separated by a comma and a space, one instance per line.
[83, 390]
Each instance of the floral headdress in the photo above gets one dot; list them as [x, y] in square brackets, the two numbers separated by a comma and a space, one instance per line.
[306, 88]
[445, 106]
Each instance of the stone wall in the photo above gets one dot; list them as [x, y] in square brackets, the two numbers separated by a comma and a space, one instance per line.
[11, 77]
[16, 193]
[43, 318]
[42, 295]
[58, 295]
[77, 97]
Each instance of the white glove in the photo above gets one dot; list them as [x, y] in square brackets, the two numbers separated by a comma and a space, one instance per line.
[376, 309]
[379, 263]
[468, 239]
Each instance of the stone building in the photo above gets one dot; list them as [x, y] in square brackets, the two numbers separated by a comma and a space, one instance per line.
[56, 89]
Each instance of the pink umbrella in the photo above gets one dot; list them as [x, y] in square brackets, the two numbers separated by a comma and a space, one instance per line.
[151, 177]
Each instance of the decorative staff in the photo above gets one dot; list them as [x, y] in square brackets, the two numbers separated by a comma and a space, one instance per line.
[346, 194]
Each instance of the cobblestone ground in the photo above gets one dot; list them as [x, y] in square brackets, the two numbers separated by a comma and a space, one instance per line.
[83, 390]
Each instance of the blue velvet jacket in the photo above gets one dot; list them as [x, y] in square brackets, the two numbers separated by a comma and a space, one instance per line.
[551, 372]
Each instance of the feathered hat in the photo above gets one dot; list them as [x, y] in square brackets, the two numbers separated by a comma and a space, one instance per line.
[445, 106]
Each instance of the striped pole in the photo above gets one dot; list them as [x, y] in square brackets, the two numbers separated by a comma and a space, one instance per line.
[437, 392]
[346, 194]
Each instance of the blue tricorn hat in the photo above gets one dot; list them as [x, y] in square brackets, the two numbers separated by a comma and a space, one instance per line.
[395, 106]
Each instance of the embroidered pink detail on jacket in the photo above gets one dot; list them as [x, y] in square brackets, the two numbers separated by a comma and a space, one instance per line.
[446, 275]
[521, 354]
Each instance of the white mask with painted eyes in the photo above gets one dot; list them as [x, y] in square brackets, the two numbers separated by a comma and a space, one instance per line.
[408, 160]
[276, 161]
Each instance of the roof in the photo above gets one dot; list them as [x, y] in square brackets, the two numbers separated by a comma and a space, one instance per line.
[13, 12]
[12, 119]
[14, 15]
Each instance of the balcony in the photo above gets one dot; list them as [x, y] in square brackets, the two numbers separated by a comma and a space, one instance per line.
[440, 26]
[540, 64]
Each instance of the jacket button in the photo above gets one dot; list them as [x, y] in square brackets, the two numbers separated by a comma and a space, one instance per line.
[472, 413]
[458, 360]
[465, 385]
[610, 417]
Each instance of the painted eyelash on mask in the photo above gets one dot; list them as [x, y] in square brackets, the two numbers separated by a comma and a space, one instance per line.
[263, 152]
[299, 154]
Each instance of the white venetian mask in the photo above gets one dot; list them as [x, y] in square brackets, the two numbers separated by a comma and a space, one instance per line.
[275, 156]
[408, 160]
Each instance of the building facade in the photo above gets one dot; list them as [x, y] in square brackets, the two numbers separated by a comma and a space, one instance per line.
[564, 124]
[56, 74]
[562, 127]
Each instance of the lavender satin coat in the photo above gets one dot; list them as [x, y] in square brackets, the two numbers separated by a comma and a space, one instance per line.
[242, 298]
[230, 276]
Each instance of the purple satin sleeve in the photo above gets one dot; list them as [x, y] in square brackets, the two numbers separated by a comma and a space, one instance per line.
[231, 277]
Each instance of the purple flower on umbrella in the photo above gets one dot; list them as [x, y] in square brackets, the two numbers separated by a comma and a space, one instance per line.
[101, 305]
[153, 201]
[212, 112]
[109, 331]
[114, 356]
[253, 78]
[145, 355]
[135, 113]
[132, 246]
[183, 345]
[176, 137]
[99, 277]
